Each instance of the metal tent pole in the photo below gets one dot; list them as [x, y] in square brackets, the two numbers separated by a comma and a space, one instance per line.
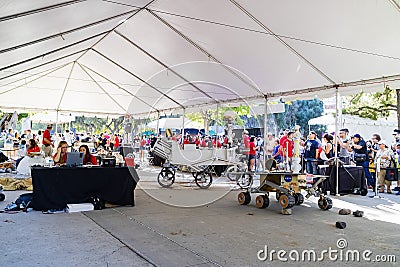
[183, 126]
[265, 133]
[158, 123]
[336, 132]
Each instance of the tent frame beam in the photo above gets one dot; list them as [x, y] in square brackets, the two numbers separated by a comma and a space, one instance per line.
[44, 64]
[290, 48]
[119, 24]
[49, 37]
[164, 65]
[120, 87]
[209, 55]
[52, 51]
[39, 10]
[137, 77]
[101, 88]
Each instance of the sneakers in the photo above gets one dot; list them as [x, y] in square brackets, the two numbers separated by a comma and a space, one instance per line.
[397, 188]
[370, 187]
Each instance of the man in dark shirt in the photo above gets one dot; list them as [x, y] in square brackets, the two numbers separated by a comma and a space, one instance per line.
[311, 153]
[359, 146]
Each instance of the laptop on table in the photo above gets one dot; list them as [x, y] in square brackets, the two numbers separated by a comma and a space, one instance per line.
[74, 159]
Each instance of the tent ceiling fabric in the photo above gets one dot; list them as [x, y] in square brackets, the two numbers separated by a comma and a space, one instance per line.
[156, 56]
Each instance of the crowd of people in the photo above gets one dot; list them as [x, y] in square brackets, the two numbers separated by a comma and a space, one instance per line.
[25, 147]
[375, 155]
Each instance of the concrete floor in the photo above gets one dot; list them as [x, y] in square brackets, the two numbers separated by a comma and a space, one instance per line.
[220, 233]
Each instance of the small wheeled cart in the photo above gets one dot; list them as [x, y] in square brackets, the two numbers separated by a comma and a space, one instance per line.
[288, 188]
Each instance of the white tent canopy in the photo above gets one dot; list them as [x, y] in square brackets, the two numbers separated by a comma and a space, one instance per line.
[156, 55]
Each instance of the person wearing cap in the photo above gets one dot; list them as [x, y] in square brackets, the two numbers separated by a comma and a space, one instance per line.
[396, 139]
[311, 153]
[383, 155]
[359, 147]
[270, 144]
[47, 143]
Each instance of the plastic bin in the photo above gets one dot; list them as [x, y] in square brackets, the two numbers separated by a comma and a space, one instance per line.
[130, 162]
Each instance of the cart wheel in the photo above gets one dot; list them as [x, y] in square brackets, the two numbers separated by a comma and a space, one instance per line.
[203, 180]
[2, 197]
[262, 201]
[325, 203]
[299, 198]
[245, 181]
[363, 191]
[166, 177]
[244, 198]
[286, 201]
[232, 173]
[171, 169]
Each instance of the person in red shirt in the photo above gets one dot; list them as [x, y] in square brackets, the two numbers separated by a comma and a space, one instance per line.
[216, 142]
[282, 141]
[252, 153]
[116, 142]
[88, 159]
[60, 158]
[47, 143]
[32, 148]
[287, 147]
[197, 141]
[143, 143]
[246, 139]
[186, 140]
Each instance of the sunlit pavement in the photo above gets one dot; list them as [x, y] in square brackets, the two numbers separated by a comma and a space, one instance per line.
[187, 226]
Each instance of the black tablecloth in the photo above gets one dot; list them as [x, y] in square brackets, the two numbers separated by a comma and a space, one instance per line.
[54, 188]
[351, 179]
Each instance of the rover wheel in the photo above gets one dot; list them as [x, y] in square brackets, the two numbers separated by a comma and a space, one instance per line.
[286, 201]
[262, 201]
[299, 198]
[325, 203]
[244, 198]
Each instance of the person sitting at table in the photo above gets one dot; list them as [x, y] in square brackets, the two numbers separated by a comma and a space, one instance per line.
[33, 148]
[60, 158]
[88, 159]
[24, 166]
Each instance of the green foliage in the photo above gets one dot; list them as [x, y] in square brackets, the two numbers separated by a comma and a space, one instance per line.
[213, 118]
[22, 116]
[97, 125]
[371, 105]
[300, 112]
